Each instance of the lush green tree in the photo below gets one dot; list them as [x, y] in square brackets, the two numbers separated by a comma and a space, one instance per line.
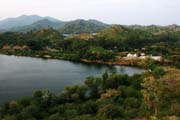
[114, 81]
[75, 93]
[89, 107]
[158, 71]
[94, 85]
[30, 112]
[148, 63]
[110, 111]
[55, 117]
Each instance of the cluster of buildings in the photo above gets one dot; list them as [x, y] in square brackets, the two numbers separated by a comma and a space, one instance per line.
[142, 56]
[16, 47]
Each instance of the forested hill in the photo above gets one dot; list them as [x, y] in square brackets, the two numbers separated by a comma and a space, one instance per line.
[119, 32]
[83, 26]
[41, 24]
[156, 29]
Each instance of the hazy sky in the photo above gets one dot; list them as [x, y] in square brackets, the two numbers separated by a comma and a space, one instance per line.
[145, 12]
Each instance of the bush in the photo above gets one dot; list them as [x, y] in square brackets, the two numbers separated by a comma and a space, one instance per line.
[158, 71]
[110, 111]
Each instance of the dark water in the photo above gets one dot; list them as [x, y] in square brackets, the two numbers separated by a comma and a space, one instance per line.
[20, 76]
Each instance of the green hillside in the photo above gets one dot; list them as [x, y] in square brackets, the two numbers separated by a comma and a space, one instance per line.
[118, 32]
[45, 23]
[82, 26]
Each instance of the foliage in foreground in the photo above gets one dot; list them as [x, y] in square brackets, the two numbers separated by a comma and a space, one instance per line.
[111, 96]
[106, 97]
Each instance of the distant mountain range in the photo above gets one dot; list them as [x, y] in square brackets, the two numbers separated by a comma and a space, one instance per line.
[22, 21]
[26, 23]
[41, 24]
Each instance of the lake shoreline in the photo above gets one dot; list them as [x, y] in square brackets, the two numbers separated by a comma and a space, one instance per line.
[127, 63]
[45, 57]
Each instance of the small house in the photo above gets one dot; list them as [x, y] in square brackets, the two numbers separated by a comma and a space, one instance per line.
[129, 55]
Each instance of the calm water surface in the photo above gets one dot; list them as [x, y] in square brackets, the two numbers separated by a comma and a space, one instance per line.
[20, 76]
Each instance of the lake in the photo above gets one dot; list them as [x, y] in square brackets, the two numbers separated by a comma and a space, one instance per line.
[20, 76]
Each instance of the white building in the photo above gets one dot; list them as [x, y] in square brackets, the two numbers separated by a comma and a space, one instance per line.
[142, 57]
[157, 58]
